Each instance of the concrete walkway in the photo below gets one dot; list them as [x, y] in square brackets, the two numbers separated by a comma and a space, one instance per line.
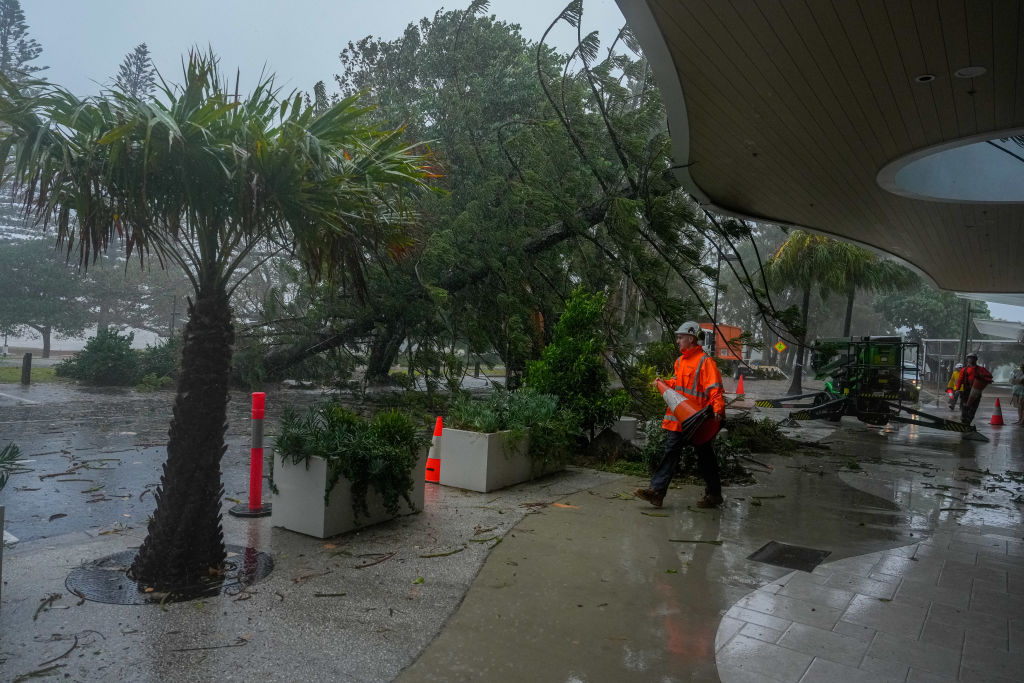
[925, 581]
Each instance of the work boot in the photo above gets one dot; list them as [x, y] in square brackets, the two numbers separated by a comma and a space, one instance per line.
[709, 501]
[653, 497]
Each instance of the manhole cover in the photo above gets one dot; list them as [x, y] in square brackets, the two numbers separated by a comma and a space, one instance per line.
[789, 556]
[104, 580]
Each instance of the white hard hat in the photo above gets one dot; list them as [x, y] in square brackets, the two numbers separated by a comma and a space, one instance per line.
[959, 365]
[689, 327]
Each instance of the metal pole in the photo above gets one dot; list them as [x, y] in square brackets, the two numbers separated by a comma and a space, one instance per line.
[714, 316]
[174, 313]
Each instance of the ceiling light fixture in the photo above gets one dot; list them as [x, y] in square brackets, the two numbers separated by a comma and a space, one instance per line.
[970, 72]
[925, 78]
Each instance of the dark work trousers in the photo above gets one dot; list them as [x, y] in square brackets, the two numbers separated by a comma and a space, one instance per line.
[707, 464]
[970, 406]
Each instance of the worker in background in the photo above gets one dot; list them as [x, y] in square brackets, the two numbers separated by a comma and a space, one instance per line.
[973, 380]
[698, 379]
[951, 386]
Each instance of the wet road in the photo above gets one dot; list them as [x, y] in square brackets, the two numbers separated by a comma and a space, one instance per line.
[94, 455]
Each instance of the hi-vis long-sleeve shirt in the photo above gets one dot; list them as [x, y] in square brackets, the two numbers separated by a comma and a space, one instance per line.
[698, 379]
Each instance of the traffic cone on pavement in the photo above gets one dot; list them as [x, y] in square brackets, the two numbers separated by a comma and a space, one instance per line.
[739, 387]
[433, 472]
[997, 416]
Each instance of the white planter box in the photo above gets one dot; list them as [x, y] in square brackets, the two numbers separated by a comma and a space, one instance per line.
[486, 462]
[299, 505]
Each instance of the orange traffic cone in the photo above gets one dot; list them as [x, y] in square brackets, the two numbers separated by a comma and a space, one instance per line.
[694, 420]
[997, 416]
[739, 387]
[433, 472]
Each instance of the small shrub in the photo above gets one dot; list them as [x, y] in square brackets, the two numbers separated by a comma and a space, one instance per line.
[106, 360]
[162, 359]
[402, 379]
[153, 382]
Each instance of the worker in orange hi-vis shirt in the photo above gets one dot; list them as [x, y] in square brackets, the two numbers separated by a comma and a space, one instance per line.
[698, 380]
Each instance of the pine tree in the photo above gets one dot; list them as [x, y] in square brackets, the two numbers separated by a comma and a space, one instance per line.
[136, 77]
[16, 48]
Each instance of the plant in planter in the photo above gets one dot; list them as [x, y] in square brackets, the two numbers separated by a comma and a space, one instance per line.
[376, 458]
[505, 439]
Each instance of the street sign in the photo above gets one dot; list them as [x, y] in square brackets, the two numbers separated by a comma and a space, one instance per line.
[780, 346]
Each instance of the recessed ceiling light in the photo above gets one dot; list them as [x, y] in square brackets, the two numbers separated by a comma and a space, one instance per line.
[970, 72]
[925, 78]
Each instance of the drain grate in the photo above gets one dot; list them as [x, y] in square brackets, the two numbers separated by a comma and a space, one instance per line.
[789, 556]
[104, 580]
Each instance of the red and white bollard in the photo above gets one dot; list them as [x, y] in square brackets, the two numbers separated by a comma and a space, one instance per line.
[256, 507]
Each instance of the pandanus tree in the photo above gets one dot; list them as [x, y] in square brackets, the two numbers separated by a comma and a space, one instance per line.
[207, 180]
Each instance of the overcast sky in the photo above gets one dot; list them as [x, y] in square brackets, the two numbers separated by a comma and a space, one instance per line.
[85, 41]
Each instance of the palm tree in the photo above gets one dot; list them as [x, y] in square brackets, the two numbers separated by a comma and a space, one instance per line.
[205, 180]
[855, 268]
[802, 262]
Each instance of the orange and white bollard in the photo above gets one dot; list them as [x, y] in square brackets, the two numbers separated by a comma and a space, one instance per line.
[256, 507]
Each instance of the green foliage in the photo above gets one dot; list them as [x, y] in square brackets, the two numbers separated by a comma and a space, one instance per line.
[927, 312]
[16, 48]
[153, 382]
[660, 354]
[137, 76]
[638, 382]
[525, 410]
[757, 436]
[162, 360]
[247, 368]
[106, 360]
[402, 379]
[8, 462]
[572, 366]
[380, 452]
[39, 290]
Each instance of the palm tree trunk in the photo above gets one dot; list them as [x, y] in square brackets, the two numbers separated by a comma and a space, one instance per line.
[185, 540]
[796, 386]
[848, 320]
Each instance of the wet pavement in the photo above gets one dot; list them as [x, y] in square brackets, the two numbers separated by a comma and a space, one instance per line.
[924, 580]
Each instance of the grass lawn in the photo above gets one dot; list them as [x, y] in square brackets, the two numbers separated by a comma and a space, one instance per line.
[12, 375]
